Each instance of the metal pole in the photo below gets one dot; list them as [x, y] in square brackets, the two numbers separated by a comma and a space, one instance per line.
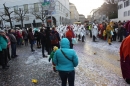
[51, 20]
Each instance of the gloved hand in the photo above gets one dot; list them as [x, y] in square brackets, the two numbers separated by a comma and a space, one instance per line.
[49, 59]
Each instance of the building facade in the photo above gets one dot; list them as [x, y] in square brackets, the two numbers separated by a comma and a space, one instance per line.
[56, 14]
[82, 18]
[123, 10]
[74, 15]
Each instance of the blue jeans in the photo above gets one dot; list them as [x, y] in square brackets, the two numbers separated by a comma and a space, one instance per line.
[67, 75]
[13, 49]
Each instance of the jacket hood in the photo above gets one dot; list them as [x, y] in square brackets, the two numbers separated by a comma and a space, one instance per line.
[64, 43]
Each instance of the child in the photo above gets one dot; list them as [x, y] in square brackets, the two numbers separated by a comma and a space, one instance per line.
[51, 57]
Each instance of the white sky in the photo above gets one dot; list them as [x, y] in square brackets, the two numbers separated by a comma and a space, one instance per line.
[85, 6]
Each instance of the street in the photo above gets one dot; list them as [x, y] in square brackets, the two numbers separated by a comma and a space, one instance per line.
[99, 65]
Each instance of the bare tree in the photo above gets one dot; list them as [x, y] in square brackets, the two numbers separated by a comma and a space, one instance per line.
[7, 13]
[41, 14]
[21, 15]
[110, 10]
[42, 11]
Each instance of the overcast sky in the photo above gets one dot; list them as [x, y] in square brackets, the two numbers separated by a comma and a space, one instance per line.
[85, 6]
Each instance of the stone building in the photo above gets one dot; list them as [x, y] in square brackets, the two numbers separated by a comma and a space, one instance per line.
[74, 15]
[56, 14]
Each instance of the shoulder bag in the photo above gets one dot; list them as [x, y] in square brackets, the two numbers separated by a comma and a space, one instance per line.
[66, 56]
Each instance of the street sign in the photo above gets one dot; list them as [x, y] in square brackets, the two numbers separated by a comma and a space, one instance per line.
[46, 12]
[46, 2]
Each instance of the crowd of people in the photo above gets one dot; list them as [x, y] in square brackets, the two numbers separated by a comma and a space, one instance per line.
[45, 38]
[58, 42]
[7, 39]
[111, 31]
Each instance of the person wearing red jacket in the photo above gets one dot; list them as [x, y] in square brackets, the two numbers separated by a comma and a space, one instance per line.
[125, 59]
[70, 35]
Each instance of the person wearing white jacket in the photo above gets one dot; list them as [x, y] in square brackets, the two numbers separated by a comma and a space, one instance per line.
[82, 32]
[94, 32]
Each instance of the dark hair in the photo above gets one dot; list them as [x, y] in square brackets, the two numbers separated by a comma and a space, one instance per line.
[48, 28]
[30, 30]
[41, 30]
[53, 28]
[9, 30]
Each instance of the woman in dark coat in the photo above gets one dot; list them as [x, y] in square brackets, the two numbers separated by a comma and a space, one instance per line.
[125, 59]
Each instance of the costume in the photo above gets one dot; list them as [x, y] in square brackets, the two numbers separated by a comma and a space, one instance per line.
[108, 32]
[94, 32]
[82, 32]
[51, 57]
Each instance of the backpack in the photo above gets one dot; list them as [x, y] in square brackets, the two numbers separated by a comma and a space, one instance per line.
[53, 38]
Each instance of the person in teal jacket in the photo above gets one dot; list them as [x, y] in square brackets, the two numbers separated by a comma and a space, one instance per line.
[3, 48]
[64, 65]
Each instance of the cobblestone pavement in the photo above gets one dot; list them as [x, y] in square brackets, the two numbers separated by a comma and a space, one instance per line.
[98, 66]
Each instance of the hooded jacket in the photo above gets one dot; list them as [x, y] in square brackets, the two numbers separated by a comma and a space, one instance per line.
[3, 43]
[62, 63]
[125, 57]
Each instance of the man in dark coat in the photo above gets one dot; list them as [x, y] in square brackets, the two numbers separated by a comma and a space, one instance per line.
[31, 39]
[37, 38]
[43, 41]
[48, 41]
[55, 41]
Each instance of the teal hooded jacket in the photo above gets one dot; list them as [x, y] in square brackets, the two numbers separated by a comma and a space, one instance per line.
[62, 63]
[3, 43]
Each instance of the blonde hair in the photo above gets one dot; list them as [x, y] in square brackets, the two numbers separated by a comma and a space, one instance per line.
[55, 48]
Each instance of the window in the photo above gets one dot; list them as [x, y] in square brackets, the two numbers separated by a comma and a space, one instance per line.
[36, 7]
[120, 6]
[26, 8]
[27, 18]
[126, 3]
[15, 9]
[129, 2]
[59, 6]
[129, 13]
[125, 13]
